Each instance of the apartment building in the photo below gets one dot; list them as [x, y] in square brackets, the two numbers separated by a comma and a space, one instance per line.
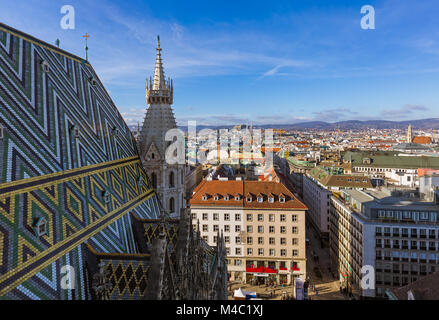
[392, 231]
[318, 185]
[263, 225]
[396, 168]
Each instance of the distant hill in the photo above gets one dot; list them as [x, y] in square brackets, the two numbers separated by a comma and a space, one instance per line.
[423, 124]
[432, 123]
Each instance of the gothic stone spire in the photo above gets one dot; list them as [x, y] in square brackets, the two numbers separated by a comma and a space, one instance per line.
[159, 74]
[159, 90]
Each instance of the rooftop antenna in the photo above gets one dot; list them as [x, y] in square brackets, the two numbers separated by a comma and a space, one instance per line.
[86, 36]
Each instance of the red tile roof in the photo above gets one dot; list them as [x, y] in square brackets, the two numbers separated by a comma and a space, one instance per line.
[422, 140]
[265, 188]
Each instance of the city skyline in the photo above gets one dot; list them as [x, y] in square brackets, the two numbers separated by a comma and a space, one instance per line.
[283, 63]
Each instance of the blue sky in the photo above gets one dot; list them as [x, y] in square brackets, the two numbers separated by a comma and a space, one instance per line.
[241, 61]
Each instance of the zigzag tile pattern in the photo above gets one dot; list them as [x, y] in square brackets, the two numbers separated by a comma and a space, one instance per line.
[63, 146]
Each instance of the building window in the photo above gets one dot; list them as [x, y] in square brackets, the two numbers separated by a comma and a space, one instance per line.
[283, 252]
[249, 240]
[215, 239]
[227, 239]
[282, 198]
[237, 217]
[282, 229]
[271, 229]
[154, 180]
[260, 199]
[237, 251]
[271, 217]
[295, 230]
[204, 216]
[238, 228]
[295, 253]
[215, 228]
[295, 241]
[171, 205]
[270, 199]
[260, 240]
[226, 228]
[260, 217]
[282, 218]
[226, 217]
[215, 217]
[283, 241]
[249, 217]
[237, 240]
[271, 240]
[206, 238]
[249, 229]
[205, 228]
[260, 251]
[294, 217]
[171, 179]
[272, 252]
[249, 251]
[260, 229]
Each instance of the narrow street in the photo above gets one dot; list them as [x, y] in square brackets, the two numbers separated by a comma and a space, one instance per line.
[326, 286]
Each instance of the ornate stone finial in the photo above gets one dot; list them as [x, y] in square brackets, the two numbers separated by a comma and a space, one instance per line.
[158, 42]
[101, 284]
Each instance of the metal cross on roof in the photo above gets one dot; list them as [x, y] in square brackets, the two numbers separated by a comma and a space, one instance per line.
[86, 36]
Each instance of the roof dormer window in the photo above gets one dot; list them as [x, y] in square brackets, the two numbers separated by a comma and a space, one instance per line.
[93, 81]
[281, 198]
[140, 181]
[216, 197]
[237, 197]
[40, 227]
[45, 66]
[260, 198]
[75, 129]
[205, 197]
[249, 198]
[227, 197]
[270, 199]
[106, 196]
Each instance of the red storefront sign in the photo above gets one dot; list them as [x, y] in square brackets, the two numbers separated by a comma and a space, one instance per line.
[260, 270]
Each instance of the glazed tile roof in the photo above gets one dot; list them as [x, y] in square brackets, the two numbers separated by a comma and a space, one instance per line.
[244, 188]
